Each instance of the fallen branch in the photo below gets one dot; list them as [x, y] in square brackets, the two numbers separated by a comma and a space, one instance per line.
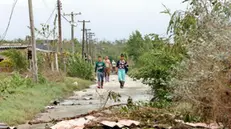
[73, 117]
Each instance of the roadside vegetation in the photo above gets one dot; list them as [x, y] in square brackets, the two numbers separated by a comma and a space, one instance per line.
[188, 72]
[190, 76]
[21, 99]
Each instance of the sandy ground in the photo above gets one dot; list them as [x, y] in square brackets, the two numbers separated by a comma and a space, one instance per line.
[93, 99]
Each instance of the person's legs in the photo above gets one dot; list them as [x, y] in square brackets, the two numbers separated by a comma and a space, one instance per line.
[120, 78]
[105, 75]
[123, 73]
[102, 76]
[108, 74]
[99, 79]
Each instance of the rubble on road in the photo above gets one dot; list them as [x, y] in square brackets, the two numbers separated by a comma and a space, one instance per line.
[50, 107]
[120, 123]
[201, 125]
[5, 126]
[81, 122]
[87, 98]
[73, 124]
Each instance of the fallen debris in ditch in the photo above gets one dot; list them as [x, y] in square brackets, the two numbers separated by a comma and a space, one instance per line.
[73, 124]
[120, 123]
[74, 117]
[81, 123]
[201, 125]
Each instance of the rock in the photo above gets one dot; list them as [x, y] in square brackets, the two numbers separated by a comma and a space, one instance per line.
[75, 83]
[56, 102]
[87, 98]
[90, 103]
[50, 107]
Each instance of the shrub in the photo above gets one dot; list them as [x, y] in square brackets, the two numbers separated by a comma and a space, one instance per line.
[6, 64]
[18, 59]
[203, 79]
[10, 84]
[154, 66]
[76, 67]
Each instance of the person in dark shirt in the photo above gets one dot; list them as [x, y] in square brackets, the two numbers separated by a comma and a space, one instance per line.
[121, 70]
[99, 70]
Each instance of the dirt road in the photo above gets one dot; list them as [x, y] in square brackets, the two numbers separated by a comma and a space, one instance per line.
[93, 99]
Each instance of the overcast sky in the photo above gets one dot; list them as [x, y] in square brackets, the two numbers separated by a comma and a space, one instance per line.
[110, 19]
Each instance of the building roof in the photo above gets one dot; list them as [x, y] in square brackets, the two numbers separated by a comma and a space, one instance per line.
[13, 47]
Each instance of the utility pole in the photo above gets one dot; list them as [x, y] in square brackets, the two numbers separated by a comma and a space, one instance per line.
[60, 26]
[72, 28]
[34, 55]
[60, 35]
[90, 35]
[87, 41]
[83, 37]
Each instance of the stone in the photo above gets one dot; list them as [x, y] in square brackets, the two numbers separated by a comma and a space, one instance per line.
[76, 83]
[50, 107]
[87, 98]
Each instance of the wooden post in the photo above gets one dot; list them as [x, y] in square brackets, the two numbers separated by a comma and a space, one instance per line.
[34, 55]
[56, 61]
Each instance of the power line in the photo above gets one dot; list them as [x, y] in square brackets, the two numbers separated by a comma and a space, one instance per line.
[66, 18]
[8, 25]
[44, 2]
[49, 18]
[50, 15]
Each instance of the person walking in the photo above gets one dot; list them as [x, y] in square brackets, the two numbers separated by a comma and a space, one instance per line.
[108, 68]
[113, 66]
[121, 70]
[99, 70]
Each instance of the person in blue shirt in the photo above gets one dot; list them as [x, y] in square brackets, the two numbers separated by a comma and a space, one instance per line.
[121, 69]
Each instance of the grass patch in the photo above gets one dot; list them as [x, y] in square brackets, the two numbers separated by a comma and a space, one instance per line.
[26, 102]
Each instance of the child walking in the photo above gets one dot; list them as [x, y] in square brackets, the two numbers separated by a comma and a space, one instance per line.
[99, 70]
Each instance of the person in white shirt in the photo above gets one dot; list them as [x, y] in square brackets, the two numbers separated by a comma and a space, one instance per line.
[108, 68]
[113, 66]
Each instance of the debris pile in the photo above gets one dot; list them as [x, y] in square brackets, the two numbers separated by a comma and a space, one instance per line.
[81, 123]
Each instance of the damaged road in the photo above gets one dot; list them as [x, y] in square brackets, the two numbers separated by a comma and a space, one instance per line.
[91, 99]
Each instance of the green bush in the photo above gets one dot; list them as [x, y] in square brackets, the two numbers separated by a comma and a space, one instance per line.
[76, 67]
[10, 84]
[17, 58]
[154, 66]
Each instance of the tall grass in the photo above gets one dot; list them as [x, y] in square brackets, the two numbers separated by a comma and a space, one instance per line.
[22, 99]
[76, 67]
